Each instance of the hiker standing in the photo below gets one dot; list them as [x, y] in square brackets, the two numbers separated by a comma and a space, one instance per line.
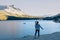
[37, 28]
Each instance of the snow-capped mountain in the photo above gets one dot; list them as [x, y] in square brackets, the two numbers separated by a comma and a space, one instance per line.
[10, 10]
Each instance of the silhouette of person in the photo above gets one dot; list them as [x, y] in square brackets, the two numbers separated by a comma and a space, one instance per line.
[37, 28]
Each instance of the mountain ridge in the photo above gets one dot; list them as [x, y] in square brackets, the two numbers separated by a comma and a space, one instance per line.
[14, 12]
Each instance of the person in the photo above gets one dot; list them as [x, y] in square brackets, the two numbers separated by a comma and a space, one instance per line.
[37, 28]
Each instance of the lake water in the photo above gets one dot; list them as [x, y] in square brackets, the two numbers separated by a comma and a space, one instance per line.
[20, 28]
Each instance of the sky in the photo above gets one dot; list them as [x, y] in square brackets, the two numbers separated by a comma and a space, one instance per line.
[35, 7]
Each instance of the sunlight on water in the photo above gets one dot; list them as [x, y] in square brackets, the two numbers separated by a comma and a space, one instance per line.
[20, 28]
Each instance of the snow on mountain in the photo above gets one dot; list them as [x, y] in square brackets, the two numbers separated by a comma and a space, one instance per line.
[11, 9]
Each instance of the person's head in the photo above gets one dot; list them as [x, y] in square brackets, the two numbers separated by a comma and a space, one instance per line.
[36, 22]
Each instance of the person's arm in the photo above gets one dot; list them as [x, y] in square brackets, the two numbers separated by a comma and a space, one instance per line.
[42, 28]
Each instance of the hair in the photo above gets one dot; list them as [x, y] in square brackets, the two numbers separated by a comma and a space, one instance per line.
[36, 22]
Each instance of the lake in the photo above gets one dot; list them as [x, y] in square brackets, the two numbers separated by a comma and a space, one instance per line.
[21, 28]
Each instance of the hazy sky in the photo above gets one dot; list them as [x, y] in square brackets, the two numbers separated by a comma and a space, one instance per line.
[35, 7]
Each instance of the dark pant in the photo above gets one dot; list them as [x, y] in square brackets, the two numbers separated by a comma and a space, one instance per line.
[37, 31]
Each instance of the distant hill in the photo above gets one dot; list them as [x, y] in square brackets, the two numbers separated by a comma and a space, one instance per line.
[55, 18]
[12, 13]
